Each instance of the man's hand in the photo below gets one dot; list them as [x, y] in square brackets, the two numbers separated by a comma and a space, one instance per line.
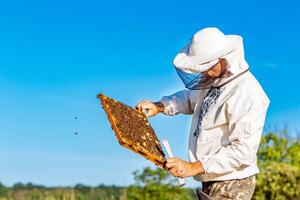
[149, 108]
[181, 168]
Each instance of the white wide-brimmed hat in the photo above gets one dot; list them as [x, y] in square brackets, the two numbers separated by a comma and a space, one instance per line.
[204, 50]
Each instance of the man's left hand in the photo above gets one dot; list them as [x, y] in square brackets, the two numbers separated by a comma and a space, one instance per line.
[181, 168]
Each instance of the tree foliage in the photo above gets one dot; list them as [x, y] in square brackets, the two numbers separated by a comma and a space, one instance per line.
[279, 162]
[3, 190]
[156, 185]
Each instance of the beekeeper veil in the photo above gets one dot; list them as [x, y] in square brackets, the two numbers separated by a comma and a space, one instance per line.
[207, 47]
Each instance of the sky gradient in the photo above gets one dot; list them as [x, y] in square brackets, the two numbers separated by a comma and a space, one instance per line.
[56, 56]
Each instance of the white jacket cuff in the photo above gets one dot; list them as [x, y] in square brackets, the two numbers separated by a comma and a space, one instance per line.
[169, 107]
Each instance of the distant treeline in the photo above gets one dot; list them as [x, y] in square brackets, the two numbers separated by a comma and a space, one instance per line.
[278, 159]
[155, 189]
[31, 191]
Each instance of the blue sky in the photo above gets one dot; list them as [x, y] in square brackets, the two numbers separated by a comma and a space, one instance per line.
[56, 56]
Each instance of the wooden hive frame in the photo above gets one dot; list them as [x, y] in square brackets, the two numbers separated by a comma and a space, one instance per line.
[159, 161]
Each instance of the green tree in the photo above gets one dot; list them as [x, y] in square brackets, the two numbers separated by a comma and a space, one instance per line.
[156, 185]
[279, 162]
[82, 188]
[3, 190]
[19, 186]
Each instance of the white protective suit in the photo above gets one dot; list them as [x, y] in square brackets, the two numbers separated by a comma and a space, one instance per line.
[230, 130]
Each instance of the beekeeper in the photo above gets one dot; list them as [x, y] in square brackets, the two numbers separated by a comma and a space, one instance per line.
[229, 108]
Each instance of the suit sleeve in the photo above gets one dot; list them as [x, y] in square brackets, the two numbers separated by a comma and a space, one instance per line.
[181, 102]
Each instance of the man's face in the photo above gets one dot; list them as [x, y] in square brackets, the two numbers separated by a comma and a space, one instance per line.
[215, 71]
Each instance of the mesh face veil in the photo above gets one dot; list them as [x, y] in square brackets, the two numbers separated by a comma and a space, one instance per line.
[199, 81]
[193, 81]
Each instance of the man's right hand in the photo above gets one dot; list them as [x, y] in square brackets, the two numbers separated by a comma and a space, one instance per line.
[149, 108]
